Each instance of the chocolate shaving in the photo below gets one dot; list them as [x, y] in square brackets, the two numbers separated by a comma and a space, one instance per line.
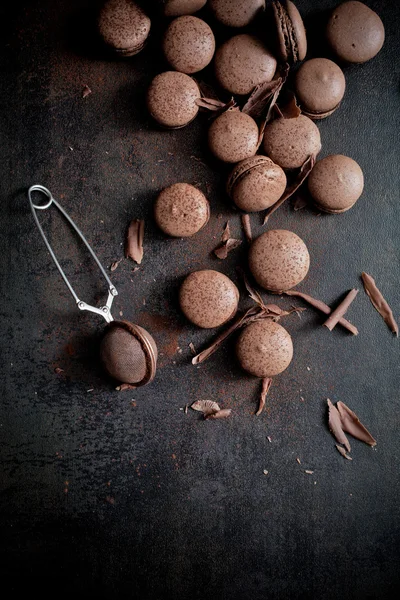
[341, 310]
[343, 452]
[216, 106]
[220, 414]
[302, 175]
[324, 308]
[125, 386]
[265, 95]
[226, 234]
[58, 370]
[379, 302]
[115, 264]
[205, 406]
[336, 427]
[266, 384]
[254, 295]
[134, 241]
[246, 224]
[192, 348]
[227, 244]
[291, 110]
[351, 424]
[86, 91]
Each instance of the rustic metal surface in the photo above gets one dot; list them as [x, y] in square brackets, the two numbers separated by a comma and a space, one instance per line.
[123, 494]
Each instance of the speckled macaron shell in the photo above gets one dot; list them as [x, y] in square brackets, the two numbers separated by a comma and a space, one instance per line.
[236, 13]
[178, 8]
[336, 183]
[264, 348]
[181, 210]
[289, 142]
[188, 44]
[233, 136]
[320, 87]
[355, 32]
[243, 62]
[208, 298]
[278, 260]
[299, 43]
[292, 39]
[123, 26]
[256, 183]
[171, 99]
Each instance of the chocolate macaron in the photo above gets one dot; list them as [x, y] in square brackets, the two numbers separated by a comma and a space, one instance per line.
[264, 348]
[320, 87]
[289, 142]
[181, 210]
[233, 136]
[278, 260]
[208, 298]
[188, 44]
[355, 32]
[172, 99]
[123, 26]
[291, 33]
[256, 183]
[336, 183]
[243, 62]
[236, 13]
[177, 8]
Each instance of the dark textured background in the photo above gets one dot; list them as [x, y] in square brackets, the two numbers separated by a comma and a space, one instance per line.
[123, 494]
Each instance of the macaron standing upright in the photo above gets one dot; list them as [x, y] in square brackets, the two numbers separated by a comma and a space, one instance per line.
[319, 85]
[233, 136]
[177, 8]
[336, 183]
[264, 348]
[123, 26]
[256, 183]
[355, 32]
[172, 99]
[188, 44]
[289, 142]
[243, 62]
[291, 44]
[181, 210]
[236, 13]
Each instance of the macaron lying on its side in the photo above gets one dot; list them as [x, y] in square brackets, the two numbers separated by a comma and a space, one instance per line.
[123, 26]
[291, 33]
[320, 87]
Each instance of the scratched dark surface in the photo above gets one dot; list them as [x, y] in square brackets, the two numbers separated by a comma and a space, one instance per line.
[123, 495]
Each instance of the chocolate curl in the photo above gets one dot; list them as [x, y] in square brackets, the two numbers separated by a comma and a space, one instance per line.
[227, 243]
[379, 302]
[343, 452]
[265, 95]
[216, 106]
[336, 427]
[291, 110]
[205, 406]
[351, 424]
[134, 241]
[302, 175]
[324, 308]
[341, 310]
[246, 224]
[266, 384]
[220, 414]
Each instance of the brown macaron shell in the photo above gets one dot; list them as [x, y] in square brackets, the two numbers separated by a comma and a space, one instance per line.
[243, 62]
[278, 260]
[289, 142]
[123, 26]
[256, 183]
[236, 13]
[208, 298]
[264, 348]
[188, 44]
[181, 210]
[292, 39]
[178, 8]
[172, 99]
[336, 183]
[355, 32]
[233, 136]
[320, 87]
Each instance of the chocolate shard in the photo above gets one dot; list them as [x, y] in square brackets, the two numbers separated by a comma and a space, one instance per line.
[226, 234]
[302, 175]
[321, 306]
[220, 414]
[134, 241]
[335, 426]
[246, 224]
[379, 302]
[86, 91]
[115, 264]
[205, 406]
[291, 110]
[343, 452]
[254, 295]
[227, 244]
[341, 310]
[58, 370]
[192, 348]
[125, 386]
[266, 384]
[264, 96]
[351, 424]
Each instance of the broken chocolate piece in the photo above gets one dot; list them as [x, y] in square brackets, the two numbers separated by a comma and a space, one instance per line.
[125, 386]
[321, 306]
[205, 406]
[341, 310]
[343, 452]
[227, 244]
[86, 91]
[192, 348]
[115, 264]
[379, 302]
[245, 218]
[351, 424]
[291, 110]
[220, 414]
[58, 370]
[266, 384]
[335, 426]
[302, 175]
[134, 241]
[264, 96]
